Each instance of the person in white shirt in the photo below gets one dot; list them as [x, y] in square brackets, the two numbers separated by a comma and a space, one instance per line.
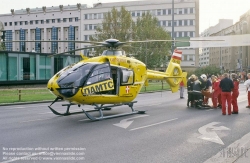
[247, 84]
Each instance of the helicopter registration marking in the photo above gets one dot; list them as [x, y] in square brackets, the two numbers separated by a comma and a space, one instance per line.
[98, 87]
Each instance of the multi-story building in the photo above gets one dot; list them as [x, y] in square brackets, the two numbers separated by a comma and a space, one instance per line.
[186, 20]
[234, 58]
[204, 52]
[46, 23]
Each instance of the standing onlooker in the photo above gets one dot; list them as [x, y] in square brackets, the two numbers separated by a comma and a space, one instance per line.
[216, 91]
[235, 93]
[226, 86]
[181, 89]
[247, 84]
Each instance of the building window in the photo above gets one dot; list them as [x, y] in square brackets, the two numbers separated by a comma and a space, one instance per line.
[185, 34]
[138, 13]
[191, 10]
[100, 16]
[36, 21]
[90, 26]
[85, 16]
[31, 22]
[10, 23]
[185, 11]
[54, 36]
[64, 20]
[42, 21]
[8, 37]
[90, 16]
[59, 20]
[133, 14]
[191, 22]
[191, 34]
[22, 37]
[76, 19]
[164, 23]
[158, 12]
[95, 16]
[5, 23]
[86, 37]
[180, 34]
[180, 11]
[53, 20]
[71, 36]
[185, 22]
[164, 12]
[38, 37]
[70, 19]
[47, 21]
[26, 22]
[180, 22]
[86, 26]
[169, 12]
[169, 23]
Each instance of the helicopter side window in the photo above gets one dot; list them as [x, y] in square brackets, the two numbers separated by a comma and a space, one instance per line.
[99, 73]
[127, 77]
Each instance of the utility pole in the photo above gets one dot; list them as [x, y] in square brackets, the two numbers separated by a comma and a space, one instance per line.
[173, 43]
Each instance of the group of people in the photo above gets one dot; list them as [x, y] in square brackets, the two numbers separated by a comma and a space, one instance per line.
[223, 90]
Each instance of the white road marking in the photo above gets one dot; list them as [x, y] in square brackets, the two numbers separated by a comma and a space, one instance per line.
[22, 158]
[211, 136]
[153, 124]
[125, 123]
[36, 120]
[232, 152]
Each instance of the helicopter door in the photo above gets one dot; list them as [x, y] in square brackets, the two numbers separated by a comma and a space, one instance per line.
[99, 80]
[116, 78]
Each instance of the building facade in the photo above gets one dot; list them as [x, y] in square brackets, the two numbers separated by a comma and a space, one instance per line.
[46, 23]
[204, 52]
[236, 58]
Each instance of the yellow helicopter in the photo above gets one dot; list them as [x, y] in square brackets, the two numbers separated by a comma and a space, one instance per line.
[109, 80]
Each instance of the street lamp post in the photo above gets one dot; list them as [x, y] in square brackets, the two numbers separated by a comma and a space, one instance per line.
[173, 26]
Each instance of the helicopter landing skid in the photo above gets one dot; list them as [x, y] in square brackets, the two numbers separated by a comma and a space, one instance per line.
[67, 113]
[101, 108]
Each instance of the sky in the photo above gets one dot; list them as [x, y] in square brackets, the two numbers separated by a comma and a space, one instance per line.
[210, 10]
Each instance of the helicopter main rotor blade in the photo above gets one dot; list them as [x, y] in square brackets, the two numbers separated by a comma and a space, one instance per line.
[75, 41]
[169, 41]
[76, 50]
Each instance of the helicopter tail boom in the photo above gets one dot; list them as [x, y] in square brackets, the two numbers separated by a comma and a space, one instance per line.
[173, 74]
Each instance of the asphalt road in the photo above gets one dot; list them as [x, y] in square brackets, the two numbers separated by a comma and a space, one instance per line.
[168, 132]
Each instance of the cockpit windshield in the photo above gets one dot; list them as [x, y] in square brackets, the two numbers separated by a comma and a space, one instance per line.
[74, 76]
[113, 52]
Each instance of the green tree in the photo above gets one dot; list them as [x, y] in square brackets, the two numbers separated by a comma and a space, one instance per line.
[116, 24]
[207, 70]
[2, 46]
[154, 54]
